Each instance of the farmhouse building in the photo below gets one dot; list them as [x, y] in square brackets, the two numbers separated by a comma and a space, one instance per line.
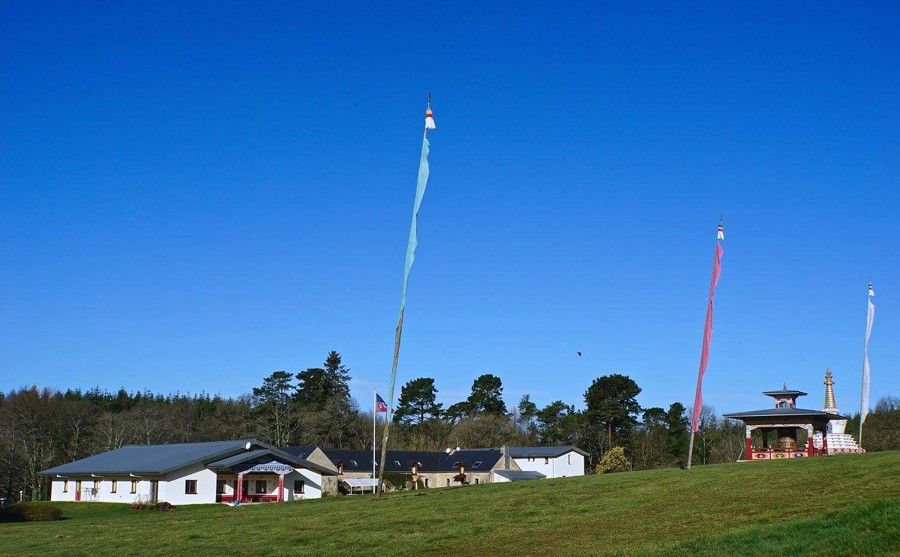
[244, 470]
[550, 462]
[429, 469]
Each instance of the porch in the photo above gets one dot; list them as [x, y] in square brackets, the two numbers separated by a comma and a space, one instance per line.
[256, 477]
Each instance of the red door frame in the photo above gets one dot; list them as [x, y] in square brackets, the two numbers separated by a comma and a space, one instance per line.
[78, 490]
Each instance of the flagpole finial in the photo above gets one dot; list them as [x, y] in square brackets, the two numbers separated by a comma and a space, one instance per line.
[720, 230]
[429, 115]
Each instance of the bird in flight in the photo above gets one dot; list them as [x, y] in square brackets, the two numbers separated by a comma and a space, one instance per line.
[579, 353]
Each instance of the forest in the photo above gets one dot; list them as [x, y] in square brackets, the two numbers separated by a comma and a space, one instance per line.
[41, 428]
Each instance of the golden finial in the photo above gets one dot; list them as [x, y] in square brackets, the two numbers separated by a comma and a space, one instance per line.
[829, 390]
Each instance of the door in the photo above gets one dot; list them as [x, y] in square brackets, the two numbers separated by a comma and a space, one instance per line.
[154, 491]
[78, 490]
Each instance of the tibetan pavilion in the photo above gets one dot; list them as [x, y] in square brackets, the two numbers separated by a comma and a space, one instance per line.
[779, 426]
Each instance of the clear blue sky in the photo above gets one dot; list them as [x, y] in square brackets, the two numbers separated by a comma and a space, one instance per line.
[196, 196]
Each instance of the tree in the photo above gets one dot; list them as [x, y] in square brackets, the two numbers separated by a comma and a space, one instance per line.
[677, 424]
[653, 417]
[337, 376]
[554, 425]
[486, 430]
[417, 402]
[611, 405]
[272, 402]
[527, 412]
[487, 395]
[456, 412]
[614, 460]
[312, 388]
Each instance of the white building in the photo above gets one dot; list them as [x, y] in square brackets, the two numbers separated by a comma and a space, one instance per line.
[189, 473]
[552, 462]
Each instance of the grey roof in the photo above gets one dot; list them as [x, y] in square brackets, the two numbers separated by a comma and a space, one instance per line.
[784, 412]
[302, 452]
[152, 459]
[543, 452]
[162, 459]
[474, 460]
[516, 475]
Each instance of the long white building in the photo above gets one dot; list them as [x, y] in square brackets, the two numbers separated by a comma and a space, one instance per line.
[244, 470]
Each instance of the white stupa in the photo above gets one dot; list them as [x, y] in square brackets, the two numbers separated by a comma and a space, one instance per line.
[838, 441]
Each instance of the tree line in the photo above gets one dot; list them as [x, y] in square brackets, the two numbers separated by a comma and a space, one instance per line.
[41, 428]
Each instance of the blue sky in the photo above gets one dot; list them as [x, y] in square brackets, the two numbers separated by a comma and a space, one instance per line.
[194, 196]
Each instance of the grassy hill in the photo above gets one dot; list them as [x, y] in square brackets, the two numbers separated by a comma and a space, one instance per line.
[841, 505]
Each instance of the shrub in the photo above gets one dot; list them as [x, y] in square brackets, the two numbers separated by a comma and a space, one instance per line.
[613, 461]
[30, 512]
[162, 506]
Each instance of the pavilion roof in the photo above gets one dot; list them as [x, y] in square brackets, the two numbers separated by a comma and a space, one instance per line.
[784, 413]
[785, 392]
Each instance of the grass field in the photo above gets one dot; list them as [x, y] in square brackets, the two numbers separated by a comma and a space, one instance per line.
[841, 505]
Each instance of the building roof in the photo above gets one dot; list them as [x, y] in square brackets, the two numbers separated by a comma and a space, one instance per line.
[474, 460]
[517, 475]
[260, 456]
[543, 452]
[302, 452]
[162, 459]
[785, 392]
[785, 413]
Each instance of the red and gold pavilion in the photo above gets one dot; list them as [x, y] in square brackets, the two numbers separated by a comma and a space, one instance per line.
[779, 426]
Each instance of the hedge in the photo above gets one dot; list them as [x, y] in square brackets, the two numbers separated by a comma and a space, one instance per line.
[30, 512]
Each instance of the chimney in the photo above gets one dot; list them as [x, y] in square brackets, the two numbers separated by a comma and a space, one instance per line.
[504, 452]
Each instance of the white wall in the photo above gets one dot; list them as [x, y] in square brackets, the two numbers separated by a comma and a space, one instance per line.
[312, 488]
[566, 465]
[172, 489]
[105, 495]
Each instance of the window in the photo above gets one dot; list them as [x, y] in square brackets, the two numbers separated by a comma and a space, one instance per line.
[220, 487]
[113, 485]
[546, 460]
[476, 481]
[299, 486]
[96, 487]
[133, 486]
[426, 482]
[260, 486]
[448, 482]
[190, 487]
[65, 486]
[782, 404]
[476, 464]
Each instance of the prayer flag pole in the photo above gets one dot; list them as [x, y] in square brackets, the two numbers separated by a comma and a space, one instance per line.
[707, 339]
[421, 183]
[374, 415]
[864, 398]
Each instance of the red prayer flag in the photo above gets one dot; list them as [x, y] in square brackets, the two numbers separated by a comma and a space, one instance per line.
[707, 332]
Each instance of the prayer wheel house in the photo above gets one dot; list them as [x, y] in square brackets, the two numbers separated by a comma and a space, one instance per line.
[778, 427]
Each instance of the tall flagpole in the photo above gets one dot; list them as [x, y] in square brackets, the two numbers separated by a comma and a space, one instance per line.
[421, 184]
[707, 340]
[864, 397]
[374, 415]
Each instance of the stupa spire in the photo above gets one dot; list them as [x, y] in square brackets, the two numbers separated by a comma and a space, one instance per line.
[830, 403]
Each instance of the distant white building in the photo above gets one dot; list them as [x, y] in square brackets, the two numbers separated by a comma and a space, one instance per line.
[190, 473]
[552, 462]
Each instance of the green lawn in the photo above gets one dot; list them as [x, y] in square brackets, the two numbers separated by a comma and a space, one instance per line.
[840, 505]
